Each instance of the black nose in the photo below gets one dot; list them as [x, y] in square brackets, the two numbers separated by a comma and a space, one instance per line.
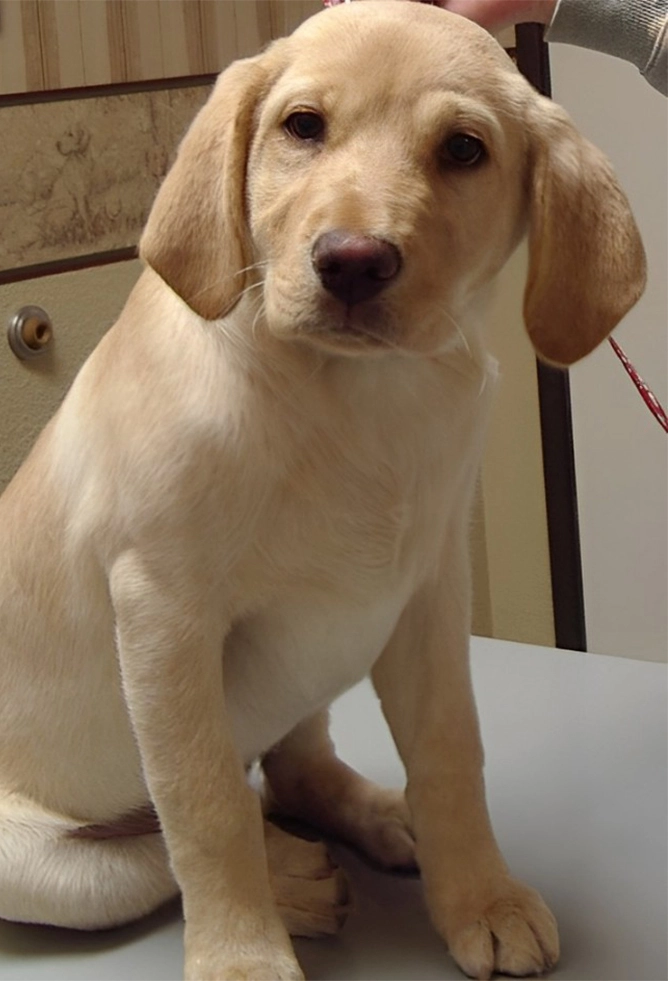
[355, 267]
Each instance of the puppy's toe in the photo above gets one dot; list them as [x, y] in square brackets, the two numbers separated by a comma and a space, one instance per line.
[312, 907]
[252, 961]
[383, 831]
[514, 934]
[310, 889]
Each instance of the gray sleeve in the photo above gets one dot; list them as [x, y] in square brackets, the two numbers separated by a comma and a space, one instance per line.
[635, 30]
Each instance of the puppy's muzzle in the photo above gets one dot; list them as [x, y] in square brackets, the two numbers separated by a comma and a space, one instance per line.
[354, 267]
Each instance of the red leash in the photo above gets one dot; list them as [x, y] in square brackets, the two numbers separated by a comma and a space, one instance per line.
[646, 393]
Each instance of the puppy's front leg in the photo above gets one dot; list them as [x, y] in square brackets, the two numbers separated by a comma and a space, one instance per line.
[490, 921]
[170, 639]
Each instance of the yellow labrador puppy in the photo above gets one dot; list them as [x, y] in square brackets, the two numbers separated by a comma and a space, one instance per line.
[257, 491]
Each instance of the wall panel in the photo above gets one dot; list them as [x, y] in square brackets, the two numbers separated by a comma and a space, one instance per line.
[82, 306]
[53, 44]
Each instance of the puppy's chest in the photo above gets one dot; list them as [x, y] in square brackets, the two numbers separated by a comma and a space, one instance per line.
[296, 656]
[346, 551]
[357, 521]
[360, 511]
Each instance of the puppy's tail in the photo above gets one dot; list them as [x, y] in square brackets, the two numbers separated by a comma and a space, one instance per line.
[54, 872]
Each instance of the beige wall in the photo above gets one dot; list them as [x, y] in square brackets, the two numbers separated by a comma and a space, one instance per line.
[515, 519]
[621, 452]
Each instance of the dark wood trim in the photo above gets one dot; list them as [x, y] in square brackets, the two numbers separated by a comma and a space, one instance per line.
[101, 91]
[71, 264]
[562, 508]
[557, 431]
[532, 56]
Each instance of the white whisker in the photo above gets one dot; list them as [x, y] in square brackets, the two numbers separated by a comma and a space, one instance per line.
[253, 286]
[260, 311]
[460, 332]
[255, 265]
[260, 264]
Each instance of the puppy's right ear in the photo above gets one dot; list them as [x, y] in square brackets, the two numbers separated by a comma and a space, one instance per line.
[196, 236]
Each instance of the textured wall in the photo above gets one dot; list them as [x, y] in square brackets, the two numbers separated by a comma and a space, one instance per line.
[79, 176]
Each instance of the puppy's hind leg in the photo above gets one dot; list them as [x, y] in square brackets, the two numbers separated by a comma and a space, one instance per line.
[50, 875]
[308, 781]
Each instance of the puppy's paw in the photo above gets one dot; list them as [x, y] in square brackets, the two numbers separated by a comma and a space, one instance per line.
[242, 968]
[310, 890]
[512, 932]
[382, 830]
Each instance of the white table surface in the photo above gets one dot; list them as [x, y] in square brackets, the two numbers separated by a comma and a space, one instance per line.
[577, 769]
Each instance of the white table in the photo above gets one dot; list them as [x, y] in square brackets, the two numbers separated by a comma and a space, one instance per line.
[577, 782]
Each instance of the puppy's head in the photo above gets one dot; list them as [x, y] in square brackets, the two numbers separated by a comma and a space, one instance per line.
[371, 174]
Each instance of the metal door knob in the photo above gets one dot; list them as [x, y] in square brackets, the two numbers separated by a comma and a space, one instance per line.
[29, 332]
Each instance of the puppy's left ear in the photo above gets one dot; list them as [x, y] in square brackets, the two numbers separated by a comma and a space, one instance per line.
[586, 258]
[196, 237]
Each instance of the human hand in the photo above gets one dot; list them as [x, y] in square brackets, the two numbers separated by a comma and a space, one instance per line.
[497, 14]
[493, 14]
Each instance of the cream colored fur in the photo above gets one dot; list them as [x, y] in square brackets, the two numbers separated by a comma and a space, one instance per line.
[253, 495]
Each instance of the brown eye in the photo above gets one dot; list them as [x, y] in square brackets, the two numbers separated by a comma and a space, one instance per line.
[305, 125]
[463, 150]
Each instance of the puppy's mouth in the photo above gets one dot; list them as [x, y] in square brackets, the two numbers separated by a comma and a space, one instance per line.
[356, 327]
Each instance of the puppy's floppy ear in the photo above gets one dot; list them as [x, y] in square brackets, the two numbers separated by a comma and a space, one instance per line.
[196, 236]
[586, 258]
